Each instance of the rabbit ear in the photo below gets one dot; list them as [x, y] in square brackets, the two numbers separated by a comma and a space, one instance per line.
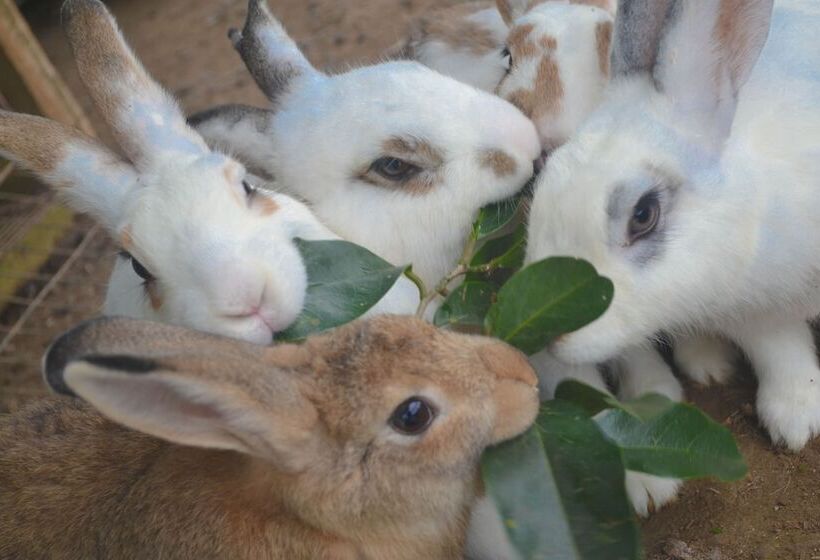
[271, 56]
[242, 131]
[146, 121]
[93, 179]
[235, 398]
[610, 6]
[699, 53]
[511, 10]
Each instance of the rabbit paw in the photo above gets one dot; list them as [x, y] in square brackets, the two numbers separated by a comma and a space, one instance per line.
[791, 414]
[649, 493]
[705, 359]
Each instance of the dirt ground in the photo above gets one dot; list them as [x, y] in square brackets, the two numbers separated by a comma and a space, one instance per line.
[774, 513]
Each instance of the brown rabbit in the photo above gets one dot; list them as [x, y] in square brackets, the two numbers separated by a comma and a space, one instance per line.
[358, 444]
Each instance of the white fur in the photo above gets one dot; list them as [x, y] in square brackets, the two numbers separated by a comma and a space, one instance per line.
[741, 239]
[222, 261]
[325, 131]
[571, 25]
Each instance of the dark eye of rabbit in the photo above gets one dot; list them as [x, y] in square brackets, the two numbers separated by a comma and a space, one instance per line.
[412, 417]
[249, 189]
[395, 169]
[138, 267]
[645, 217]
[508, 60]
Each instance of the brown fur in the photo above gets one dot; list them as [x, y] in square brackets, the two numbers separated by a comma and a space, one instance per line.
[520, 43]
[77, 485]
[416, 151]
[267, 206]
[603, 43]
[501, 163]
[548, 82]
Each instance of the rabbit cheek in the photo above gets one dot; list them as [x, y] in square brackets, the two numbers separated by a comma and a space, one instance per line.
[516, 406]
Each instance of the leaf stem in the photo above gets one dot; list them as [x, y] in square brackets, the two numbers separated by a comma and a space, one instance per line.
[416, 279]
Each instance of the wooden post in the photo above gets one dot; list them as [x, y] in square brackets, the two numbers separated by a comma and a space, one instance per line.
[56, 102]
[41, 79]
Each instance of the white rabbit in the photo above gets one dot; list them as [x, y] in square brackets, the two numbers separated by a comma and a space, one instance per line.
[548, 58]
[362, 443]
[392, 156]
[201, 246]
[695, 189]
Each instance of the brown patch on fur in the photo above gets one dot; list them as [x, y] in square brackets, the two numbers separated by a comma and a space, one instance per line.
[451, 26]
[126, 239]
[266, 204]
[549, 90]
[505, 9]
[37, 143]
[520, 44]
[501, 163]
[548, 42]
[414, 147]
[154, 295]
[603, 43]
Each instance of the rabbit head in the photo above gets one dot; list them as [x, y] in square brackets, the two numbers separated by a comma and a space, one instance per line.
[374, 428]
[200, 245]
[557, 59]
[638, 191]
[392, 156]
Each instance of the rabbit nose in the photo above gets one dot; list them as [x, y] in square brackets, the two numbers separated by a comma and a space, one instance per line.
[507, 363]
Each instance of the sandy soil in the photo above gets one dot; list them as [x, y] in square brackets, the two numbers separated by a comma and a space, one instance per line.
[772, 514]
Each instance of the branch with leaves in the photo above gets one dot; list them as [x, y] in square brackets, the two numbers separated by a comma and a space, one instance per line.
[560, 487]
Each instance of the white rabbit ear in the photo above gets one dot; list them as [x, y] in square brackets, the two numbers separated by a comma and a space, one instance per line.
[271, 56]
[146, 121]
[92, 178]
[610, 6]
[700, 53]
[243, 132]
[511, 10]
[234, 397]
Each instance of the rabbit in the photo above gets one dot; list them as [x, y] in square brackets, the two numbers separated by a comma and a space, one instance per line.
[392, 156]
[548, 58]
[695, 184]
[361, 443]
[201, 245]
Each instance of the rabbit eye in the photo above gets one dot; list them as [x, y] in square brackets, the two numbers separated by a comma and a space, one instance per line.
[138, 267]
[412, 417]
[508, 59]
[250, 190]
[645, 217]
[395, 169]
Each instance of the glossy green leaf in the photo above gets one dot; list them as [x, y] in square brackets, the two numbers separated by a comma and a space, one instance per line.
[547, 299]
[503, 252]
[680, 442]
[560, 490]
[495, 217]
[344, 281]
[594, 401]
[466, 306]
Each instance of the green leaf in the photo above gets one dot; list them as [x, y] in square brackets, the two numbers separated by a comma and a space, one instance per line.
[679, 442]
[503, 252]
[594, 401]
[466, 306]
[547, 299]
[495, 217]
[560, 490]
[344, 281]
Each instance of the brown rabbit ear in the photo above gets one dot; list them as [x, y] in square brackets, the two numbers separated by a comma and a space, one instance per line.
[511, 10]
[189, 388]
[271, 56]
